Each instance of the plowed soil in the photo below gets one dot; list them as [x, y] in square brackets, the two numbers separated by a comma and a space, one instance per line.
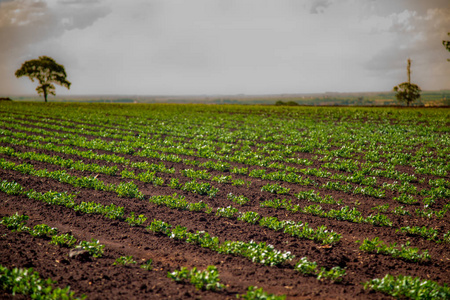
[98, 278]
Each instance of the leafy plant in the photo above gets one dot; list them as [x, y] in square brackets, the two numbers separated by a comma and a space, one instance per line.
[249, 217]
[236, 170]
[241, 199]
[172, 201]
[428, 233]
[159, 226]
[378, 220]
[429, 213]
[124, 260]
[446, 238]
[227, 212]
[401, 211]
[200, 174]
[199, 206]
[405, 252]
[406, 199]
[272, 223]
[150, 177]
[175, 183]
[222, 179]
[128, 190]
[275, 188]
[381, 208]
[179, 275]
[179, 232]
[335, 274]
[274, 203]
[147, 265]
[63, 240]
[201, 188]
[28, 282]
[89, 207]
[10, 188]
[241, 182]
[203, 239]
[15, 222]
[256, 252]
[407, 286]
[204, 280]
[113, 211]
[43, 230]
[255, 293]
[135, 220]
[306, 267]
[94, 247]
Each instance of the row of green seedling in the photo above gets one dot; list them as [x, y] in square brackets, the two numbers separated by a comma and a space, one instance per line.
[17, 222]
[344, 214]
[209, 280]
[405, 252]
[295, 178]
[28, 282]
[331, 185]
[56, 160]
[65, 199]
[299, 229]
[256, 252]
[408, 287]
[128, 190]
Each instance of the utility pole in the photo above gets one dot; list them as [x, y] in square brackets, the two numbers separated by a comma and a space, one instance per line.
[409, 70]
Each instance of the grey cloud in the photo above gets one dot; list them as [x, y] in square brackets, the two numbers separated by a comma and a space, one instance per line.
[22, 23]
[388, 7]
[82, 16]
[25, 23]
[319, 6]
[419, 37]
[72, 2]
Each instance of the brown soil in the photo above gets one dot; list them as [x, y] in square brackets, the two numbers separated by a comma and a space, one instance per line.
[98, 278]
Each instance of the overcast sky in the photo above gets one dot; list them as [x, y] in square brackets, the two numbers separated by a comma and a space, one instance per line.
[173, 47]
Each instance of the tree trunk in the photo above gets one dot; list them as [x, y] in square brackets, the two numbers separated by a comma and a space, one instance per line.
[45, 94]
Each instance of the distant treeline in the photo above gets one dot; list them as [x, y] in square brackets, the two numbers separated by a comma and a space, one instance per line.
[428, 98]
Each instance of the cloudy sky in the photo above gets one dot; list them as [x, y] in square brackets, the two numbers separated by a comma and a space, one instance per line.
[174, 47]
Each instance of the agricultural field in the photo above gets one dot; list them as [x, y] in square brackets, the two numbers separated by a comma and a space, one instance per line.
[154, 201]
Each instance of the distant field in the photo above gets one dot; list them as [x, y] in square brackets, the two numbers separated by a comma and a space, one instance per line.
[302, 202]
[429, 98]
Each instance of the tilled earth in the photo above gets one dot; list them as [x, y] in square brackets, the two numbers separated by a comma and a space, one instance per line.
[98, 278]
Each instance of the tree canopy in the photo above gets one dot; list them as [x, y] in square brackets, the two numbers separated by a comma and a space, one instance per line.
[47, 72]
[407, 92]
[447, 45]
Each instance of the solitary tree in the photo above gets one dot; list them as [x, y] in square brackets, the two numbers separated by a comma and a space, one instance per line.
[407, 92]
[447, 45]
[47, 72]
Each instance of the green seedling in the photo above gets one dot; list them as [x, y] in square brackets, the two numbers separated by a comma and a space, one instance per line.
[124, 260]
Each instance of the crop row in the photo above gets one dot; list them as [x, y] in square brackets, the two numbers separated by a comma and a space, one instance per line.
[338, 164]
[207, 189]
[17, 222]
[434, 193]
[142, 129]
[131, 190]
